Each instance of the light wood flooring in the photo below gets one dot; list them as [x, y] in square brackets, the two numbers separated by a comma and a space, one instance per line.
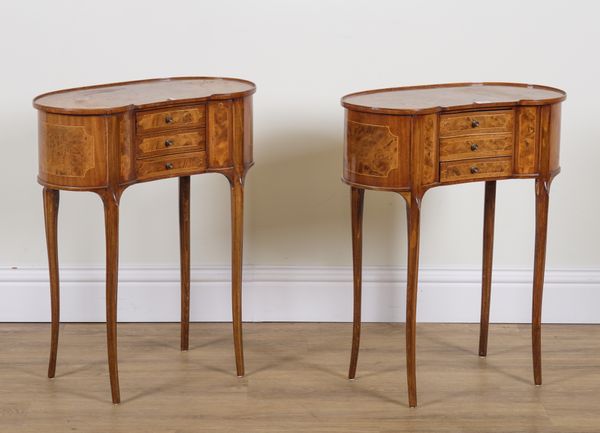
[296, 380]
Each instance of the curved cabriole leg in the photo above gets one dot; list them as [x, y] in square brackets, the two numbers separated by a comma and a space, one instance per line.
[237, 233]
[542, 194]
[111, 223]
[184, 249]
[488, 251]
[413, 212]
[357, 202]
[51, 199]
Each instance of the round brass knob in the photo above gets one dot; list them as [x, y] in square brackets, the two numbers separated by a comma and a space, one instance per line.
[474, 123]
[168, 143]
[474, 170]
[169, 165]
[168, 119]
[474, 147]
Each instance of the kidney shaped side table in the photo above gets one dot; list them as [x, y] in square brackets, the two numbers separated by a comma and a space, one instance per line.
[106, 138]
[410, 139]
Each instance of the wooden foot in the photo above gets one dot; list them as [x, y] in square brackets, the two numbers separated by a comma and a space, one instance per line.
[486, 277]
[184, 249]
[542, 194]
[357, 202]
[51, 200]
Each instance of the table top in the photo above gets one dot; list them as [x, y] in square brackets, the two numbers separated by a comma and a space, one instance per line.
[443, 97]
[119, 97]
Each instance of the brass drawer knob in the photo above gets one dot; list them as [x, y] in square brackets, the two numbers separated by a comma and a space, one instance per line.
[474, 123]
[474, 170]
[169, 165]
[474, 147]
[168, 119]
[168, 143]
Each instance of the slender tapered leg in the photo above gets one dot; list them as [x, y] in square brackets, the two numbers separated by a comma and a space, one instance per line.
[542, 192]
[51, 199]
[111, 222]
[413, 211]
[488, 252]
[357, 201]
[237, 232]
[184, 249]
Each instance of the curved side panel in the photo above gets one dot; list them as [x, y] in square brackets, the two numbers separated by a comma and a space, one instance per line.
[248, 132]
[550, 139]
[426, 153]
[554, 151]
[220, 134]
[242, 133]
[125, 139]
[377, 150]
[527, 138]
[72, 150]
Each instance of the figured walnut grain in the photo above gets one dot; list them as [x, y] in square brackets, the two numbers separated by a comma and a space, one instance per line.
[220, 134]
[476, 146]
[372, 149]
[485, 121]
[171, 119]
[474, 169]
[183, 164]
[526, 156]
[72, 150]
[166, 143]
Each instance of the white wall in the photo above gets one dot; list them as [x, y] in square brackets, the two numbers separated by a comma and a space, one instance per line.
[303, 55]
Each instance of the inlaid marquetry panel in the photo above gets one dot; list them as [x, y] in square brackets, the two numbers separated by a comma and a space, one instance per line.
[377, 150]
[526, 151]
[220, 134]
[372, 149]
[426, 149]
[430, 148]
[68, 150]
[71, 149]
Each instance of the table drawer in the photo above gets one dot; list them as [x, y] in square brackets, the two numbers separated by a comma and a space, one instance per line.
[476, 122]
[171, 119]
[168, 166]
[476, 146]
[155, 145]
[455, 171]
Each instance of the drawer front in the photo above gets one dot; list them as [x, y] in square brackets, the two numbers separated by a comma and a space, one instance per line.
[476, 122]
[170, 119]
[169, 166]
[476, 146]
[473, 169]
[169, 143]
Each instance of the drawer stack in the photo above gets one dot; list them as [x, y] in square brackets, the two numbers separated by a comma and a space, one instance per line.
[476, 145]
[170, 142]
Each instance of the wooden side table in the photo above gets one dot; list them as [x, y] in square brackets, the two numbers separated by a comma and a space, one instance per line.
[108, 137]
[410, 139]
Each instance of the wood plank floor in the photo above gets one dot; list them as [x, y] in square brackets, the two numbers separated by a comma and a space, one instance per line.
[296, 380]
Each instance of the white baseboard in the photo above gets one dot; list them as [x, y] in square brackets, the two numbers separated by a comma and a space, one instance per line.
[307, 294]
